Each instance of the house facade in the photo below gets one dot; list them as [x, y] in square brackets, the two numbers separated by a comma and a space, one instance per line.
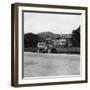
[48, 44]
[63, 40]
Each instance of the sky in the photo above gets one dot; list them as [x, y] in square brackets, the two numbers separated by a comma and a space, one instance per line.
[55, 23]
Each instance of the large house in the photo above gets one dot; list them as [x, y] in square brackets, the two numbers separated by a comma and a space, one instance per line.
[48, 44]
[63, 40]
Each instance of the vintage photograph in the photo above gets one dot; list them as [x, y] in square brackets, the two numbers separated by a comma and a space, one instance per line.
[48, 44]
[51, 43]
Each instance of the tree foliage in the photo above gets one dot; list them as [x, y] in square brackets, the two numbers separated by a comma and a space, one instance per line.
[31, 40]
[76, 37]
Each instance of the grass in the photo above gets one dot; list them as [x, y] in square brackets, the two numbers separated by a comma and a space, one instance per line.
[39, 64]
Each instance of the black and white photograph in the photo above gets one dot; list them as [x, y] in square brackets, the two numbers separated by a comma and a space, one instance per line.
[49, 44]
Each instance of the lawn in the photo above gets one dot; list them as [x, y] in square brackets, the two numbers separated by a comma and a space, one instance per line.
[43, 64]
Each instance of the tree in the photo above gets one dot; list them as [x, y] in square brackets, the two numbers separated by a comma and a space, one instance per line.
[76, 37]
[31, 40]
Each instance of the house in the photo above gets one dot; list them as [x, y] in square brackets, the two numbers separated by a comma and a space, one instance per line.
[56, 42]
[48, 44]
[41, 45]
[44, 47]
[62, 41]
